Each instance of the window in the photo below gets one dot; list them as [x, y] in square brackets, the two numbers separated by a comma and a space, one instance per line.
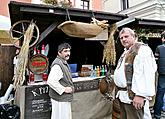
[124, 4]
[85, 4]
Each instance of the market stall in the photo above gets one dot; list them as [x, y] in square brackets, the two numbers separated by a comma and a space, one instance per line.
[88, 101]
[33, 97]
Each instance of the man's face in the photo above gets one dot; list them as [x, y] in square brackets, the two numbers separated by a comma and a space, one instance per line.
[163, 40]
[127, 40]
[65, 54]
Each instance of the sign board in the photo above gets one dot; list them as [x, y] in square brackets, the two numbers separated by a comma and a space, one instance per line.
[38, 64]
[34, 102]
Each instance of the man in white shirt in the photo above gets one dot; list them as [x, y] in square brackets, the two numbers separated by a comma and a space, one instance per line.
[134, 76]
[60, 84]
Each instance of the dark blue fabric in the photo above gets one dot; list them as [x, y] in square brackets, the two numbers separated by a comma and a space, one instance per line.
[159, 96]
[161, 60]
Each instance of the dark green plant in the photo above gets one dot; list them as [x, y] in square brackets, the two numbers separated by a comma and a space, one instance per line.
[51, 2]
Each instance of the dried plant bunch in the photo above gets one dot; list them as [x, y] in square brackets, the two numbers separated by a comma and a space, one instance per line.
[109, 52]
[19, 77]
[103, 24]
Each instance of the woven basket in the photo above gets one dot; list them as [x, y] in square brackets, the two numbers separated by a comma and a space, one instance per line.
[80, 29]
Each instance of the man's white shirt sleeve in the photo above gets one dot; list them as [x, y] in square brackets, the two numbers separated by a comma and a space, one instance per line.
[53, 79]
[143, 82]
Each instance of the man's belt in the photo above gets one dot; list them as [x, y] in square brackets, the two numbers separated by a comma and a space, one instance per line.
[130, 93]
[123, 89]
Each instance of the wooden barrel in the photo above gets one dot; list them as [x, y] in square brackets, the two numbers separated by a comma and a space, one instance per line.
[116, 109]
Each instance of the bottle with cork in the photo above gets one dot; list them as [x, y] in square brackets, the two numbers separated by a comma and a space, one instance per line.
[43, 49]
[105, 69]
[98, 71]
[102, 70]
[35, 51]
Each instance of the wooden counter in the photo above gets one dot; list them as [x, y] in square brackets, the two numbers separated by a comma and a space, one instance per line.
[88, 102]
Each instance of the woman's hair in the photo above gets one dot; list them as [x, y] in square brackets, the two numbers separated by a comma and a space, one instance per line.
[63, 46]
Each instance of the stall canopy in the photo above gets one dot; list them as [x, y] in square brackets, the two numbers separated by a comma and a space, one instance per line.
[146, 23]
[5, 25]
[47, 17]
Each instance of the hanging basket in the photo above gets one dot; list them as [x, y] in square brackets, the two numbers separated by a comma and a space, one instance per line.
[80, 29]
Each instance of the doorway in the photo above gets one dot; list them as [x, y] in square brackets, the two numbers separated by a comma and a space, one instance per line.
[153, 43]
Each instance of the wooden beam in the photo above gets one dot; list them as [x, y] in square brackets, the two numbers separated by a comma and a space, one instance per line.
[47, 32]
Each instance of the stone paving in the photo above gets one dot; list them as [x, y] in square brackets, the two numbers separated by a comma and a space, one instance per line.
[163, 114]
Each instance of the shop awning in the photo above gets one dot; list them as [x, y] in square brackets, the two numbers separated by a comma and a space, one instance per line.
[5, 25]
[48, 17]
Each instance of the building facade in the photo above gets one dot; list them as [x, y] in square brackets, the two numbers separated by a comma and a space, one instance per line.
[83, 4]
[148, 9]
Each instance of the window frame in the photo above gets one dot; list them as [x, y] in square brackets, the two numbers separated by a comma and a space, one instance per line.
[85, 4]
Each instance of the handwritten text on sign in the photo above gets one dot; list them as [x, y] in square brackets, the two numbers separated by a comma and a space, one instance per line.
[38, 101]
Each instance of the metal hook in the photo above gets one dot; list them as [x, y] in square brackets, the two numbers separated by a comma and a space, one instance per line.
[93, 15]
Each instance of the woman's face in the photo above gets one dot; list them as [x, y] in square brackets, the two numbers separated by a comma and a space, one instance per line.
[65, 54]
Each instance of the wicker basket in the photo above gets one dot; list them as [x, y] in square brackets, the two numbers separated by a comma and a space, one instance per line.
[80, 29]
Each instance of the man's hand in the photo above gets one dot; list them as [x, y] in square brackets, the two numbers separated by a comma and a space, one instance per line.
[138, 102]
[68, 90]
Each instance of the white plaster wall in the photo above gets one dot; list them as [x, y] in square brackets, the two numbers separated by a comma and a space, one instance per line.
[135, 2]
[112, 6]
[151, 9]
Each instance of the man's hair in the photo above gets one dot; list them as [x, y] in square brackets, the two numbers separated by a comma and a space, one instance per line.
[63, 46]
[163, 34]
[129, 30]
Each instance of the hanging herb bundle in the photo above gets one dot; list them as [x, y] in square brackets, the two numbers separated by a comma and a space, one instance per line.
[19, 77]
[109, 53]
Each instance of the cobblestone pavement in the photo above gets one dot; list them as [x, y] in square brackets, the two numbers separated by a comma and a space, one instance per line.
[152, 112]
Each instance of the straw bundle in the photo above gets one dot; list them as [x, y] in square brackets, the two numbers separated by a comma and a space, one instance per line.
[19, 77]
[109, 53]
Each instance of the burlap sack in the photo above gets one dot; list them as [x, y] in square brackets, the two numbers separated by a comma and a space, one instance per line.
[80, 29]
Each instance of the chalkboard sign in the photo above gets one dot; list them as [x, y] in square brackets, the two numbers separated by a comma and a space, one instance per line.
[34, 102]
[37, 103]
